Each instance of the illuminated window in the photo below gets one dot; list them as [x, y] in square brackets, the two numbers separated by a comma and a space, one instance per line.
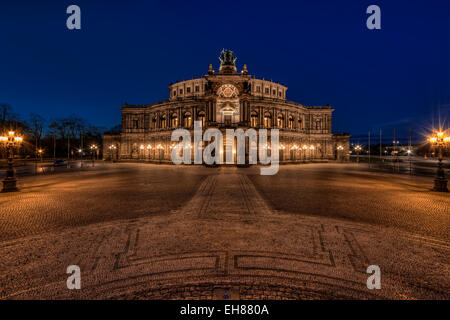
[291, 122]
[187, 120]
[202, 118]
[267, 120]
[254, 119]
[280, 122]
[174, 121]
[163, 122]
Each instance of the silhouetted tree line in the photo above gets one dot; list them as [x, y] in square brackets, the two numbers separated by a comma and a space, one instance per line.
[60, 137]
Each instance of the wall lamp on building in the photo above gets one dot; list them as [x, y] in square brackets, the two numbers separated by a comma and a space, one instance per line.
[440, 140]
[11, 140]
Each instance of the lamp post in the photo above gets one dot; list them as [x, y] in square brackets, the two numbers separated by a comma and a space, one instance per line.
[311, 152]
[149, 149]
[80, 151]
[304, 152]
[340, 149]
[112, 149]
[93, 150]
[142, 152]
[10, 181]
[294, 148]
[440, 140]
[357, 149]
[409, 151]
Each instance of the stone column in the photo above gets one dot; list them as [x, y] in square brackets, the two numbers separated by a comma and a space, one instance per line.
[259, 116]
[286, 119]
[247, 113]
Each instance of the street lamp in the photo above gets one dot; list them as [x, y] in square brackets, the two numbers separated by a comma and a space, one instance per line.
[340, 149]
[149, 151]
[93, 150]
[304, 152]
[311, 152]
[357, 149]
[11, 141]
[439, 139]
[112, 149]
[80, 151]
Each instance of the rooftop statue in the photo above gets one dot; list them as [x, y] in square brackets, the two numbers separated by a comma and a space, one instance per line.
[227, 61]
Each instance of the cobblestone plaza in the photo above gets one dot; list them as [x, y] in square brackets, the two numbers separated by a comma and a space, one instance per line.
[143, 231]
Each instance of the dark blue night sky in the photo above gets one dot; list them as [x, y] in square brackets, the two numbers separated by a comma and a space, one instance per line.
[129, 51]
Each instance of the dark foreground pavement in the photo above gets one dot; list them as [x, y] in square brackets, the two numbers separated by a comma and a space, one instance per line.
[149, 231]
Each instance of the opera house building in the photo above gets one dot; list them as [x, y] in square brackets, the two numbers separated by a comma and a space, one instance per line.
[227, 99]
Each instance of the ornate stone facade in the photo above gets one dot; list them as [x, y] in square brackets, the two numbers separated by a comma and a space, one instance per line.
[227, 99]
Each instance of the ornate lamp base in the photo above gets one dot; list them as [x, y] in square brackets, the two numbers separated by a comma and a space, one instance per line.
[440, 185]
[9, 185]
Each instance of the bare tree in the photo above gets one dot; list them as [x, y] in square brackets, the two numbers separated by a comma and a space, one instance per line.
[5, 115]
[36, 125]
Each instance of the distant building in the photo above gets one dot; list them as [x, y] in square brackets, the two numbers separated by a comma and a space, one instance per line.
[227, 99]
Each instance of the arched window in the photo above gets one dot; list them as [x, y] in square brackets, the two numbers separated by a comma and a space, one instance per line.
[153, 123]
[267, 120]
[300, 123]
[174, 120]
[187, 120]
[202, 118]
[291, 122]
[280, 122]
[254, 119]
[163, 122]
